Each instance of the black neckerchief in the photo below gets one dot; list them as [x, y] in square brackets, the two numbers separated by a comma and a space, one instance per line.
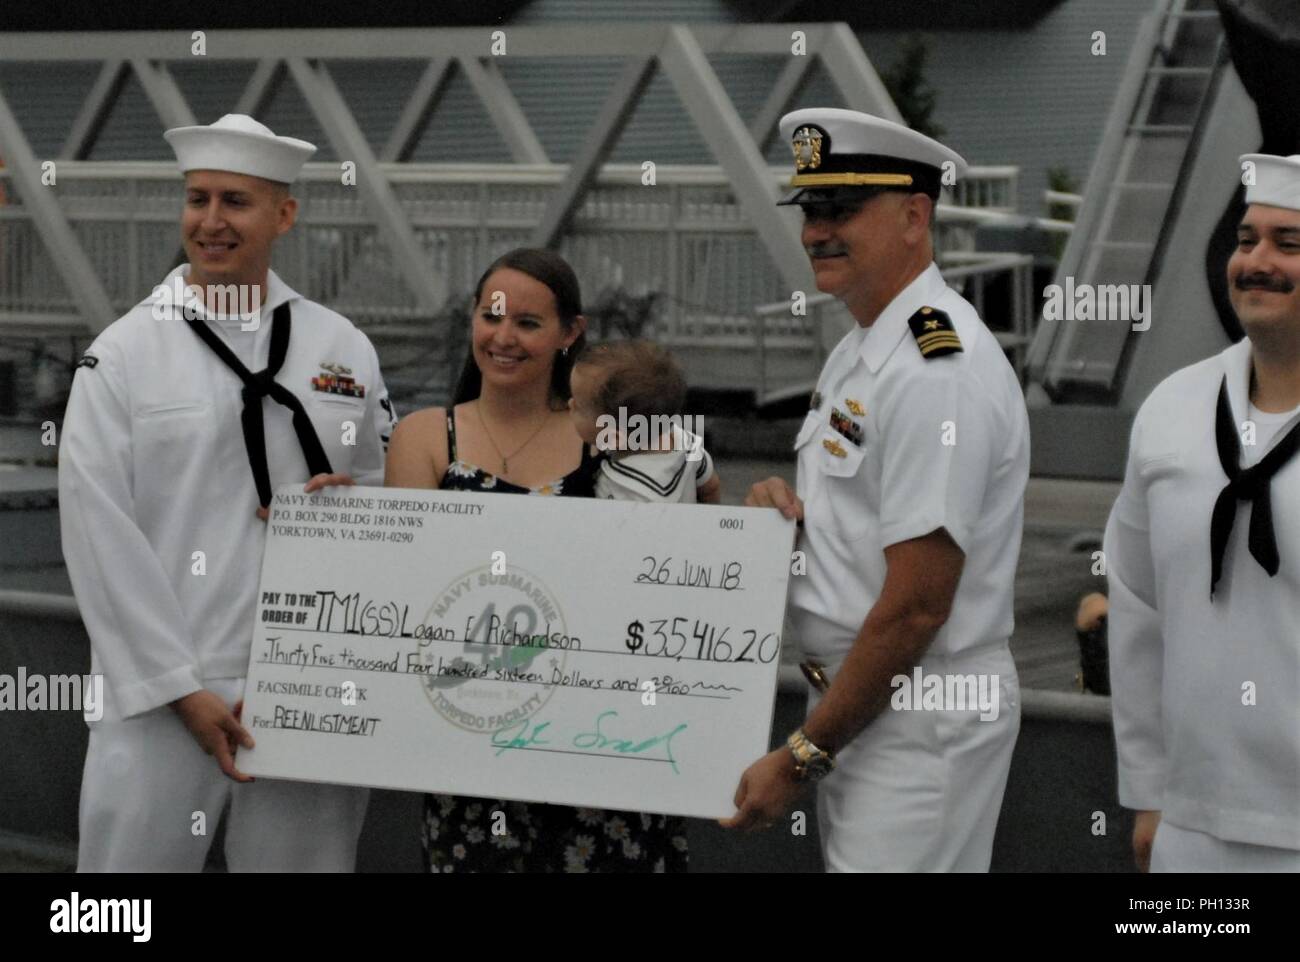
[263, 384]
[1245, 484]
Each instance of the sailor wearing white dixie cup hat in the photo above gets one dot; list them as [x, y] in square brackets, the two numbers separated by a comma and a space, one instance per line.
[182, 418]
[912, 466]
[1203, 560]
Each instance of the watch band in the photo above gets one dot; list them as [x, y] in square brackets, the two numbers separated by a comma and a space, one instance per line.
[810, 762]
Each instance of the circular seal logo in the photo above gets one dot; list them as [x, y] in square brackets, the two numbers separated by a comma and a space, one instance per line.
[511, 643]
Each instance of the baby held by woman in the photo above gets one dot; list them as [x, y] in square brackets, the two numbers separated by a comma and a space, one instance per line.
[627, 400]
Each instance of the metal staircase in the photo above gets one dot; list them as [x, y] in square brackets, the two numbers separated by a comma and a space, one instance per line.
[1132, 191]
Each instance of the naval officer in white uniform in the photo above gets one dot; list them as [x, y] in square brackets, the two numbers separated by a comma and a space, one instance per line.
[1203, 560]
[182, 418]
[912, 466]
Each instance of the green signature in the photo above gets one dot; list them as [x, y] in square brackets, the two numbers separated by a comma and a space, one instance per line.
[528, 734]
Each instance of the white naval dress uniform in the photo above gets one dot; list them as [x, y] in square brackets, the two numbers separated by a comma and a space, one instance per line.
[657, 476]
[1205, 694]
[153, 469]
[916, 790]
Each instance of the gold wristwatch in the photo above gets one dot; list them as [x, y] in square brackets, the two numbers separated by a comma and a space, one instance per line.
[810, 762]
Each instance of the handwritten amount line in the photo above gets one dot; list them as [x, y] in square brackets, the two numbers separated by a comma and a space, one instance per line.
[510, 681]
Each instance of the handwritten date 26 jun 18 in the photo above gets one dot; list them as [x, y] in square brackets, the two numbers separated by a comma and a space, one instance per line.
[691, 574]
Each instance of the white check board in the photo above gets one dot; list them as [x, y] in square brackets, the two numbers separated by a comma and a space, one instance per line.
[509, 647]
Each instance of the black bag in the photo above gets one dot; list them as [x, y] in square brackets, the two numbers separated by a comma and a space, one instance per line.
[1094, 659]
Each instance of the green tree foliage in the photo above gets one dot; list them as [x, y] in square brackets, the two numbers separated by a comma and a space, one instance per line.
[911, 92]
[1061, 180]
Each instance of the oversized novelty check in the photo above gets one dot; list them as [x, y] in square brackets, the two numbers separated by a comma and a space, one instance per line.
[567, 650]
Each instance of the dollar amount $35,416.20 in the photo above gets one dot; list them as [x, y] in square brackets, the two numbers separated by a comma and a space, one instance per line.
[669, 638]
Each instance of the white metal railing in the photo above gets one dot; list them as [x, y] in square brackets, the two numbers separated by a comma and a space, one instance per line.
[825, 317]
[686, 238]
[1061, 197]
[973, 217]
[39, 604]
[988, 188]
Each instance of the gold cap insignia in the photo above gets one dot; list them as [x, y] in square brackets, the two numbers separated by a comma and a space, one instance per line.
[807, 147]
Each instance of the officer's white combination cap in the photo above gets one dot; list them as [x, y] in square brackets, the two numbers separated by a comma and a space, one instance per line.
[1277, 180]
[239, 144]
[835, 149]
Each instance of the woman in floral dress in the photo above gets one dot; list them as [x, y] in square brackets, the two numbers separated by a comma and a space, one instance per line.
[508, 430]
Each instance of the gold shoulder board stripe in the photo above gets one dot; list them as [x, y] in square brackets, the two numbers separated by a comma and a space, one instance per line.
[934, 333]
[937, 337]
